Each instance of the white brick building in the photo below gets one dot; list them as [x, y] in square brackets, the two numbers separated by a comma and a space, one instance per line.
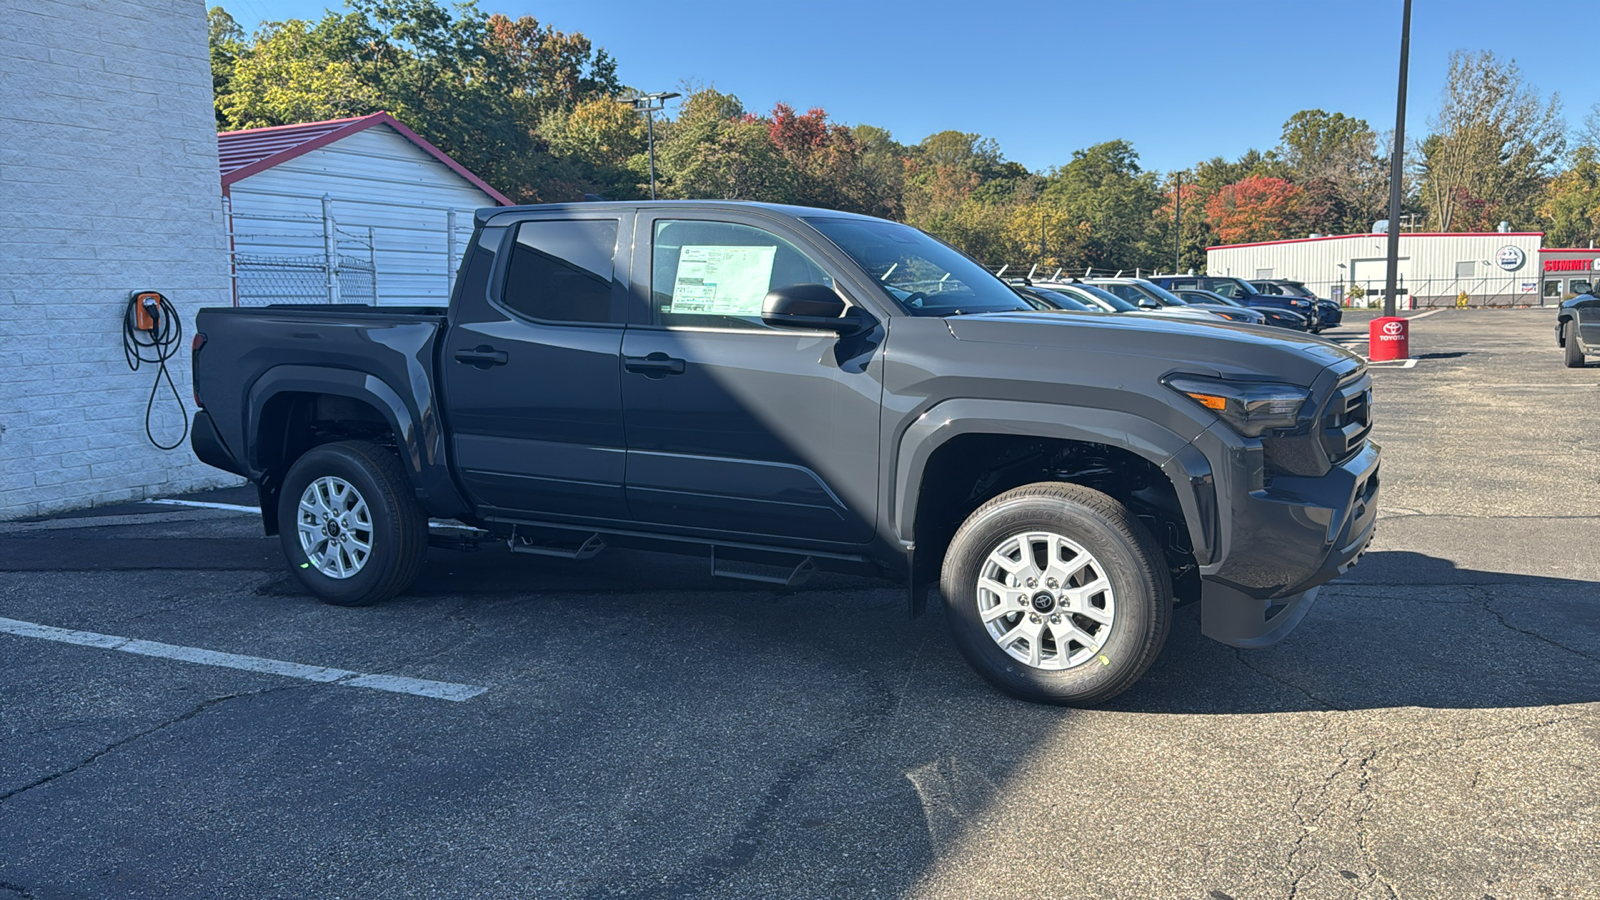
[108, 184]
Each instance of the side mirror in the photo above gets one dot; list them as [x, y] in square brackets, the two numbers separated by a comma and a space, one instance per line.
[813, 306]
[1147, 303]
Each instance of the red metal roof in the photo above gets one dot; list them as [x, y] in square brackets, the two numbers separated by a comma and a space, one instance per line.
[244, 153]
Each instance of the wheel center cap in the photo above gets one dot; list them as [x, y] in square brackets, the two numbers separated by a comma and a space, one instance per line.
[333, 528]
[1043, 602]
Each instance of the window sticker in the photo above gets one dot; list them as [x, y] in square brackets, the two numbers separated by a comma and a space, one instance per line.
[722, 281]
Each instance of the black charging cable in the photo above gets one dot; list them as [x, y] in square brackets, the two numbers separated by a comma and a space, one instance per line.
[154, 343]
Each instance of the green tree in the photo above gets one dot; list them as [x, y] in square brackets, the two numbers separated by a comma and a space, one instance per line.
[478, 87]
[1494, 140]
[1570, 207]
[1104, 189]
[226, 41]
[715, 150]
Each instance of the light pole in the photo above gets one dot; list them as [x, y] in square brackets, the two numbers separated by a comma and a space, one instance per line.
[1391, 277]
[1177, 226]
[650, 104]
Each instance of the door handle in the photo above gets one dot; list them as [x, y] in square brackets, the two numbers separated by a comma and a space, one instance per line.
[656, 365]
[482, 356]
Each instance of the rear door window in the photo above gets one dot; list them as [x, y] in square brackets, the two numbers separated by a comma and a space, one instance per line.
[562, 271]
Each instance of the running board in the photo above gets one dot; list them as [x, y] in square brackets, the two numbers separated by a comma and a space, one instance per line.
[797, 576]
[524, 544]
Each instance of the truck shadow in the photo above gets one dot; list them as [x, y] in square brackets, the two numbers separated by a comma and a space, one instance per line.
[1402, 629]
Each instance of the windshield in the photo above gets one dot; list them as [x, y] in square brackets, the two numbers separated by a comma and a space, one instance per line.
[925, 276]
[1233, 288]
[1042, 298]
[1101, 298]
[1296, 290]
[1162, 295]
[1208, 297]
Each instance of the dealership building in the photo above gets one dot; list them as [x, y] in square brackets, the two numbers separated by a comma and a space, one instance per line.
[1479, 269]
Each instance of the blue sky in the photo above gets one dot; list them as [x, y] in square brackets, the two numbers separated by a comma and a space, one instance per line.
[1183, 81]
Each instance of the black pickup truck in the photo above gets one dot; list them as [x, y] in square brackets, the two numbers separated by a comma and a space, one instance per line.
[777, 386]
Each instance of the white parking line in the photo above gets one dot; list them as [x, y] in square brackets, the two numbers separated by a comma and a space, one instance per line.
[1426, 314]
[419, 687]
[197, 504]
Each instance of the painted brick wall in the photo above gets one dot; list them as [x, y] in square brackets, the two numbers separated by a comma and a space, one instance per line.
[108, 184]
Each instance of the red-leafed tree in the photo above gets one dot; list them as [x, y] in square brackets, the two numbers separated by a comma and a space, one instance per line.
[1258, 208]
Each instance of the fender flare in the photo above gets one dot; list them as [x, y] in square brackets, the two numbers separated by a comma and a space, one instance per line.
[421, 447]
[1186, 467]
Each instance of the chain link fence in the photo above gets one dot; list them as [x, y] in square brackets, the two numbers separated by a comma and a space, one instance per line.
[281, 255]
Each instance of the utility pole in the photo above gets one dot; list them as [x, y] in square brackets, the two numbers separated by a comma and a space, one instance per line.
[1392, 277]
[650, 104]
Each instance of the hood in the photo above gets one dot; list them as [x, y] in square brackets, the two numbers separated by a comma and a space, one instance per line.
[1219, 349]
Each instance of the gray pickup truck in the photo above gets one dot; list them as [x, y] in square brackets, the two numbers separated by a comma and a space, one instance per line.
[784, 390]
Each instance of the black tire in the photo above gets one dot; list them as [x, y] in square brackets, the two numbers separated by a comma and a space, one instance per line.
[1570, 348]
[1132, 564]
[398, 533]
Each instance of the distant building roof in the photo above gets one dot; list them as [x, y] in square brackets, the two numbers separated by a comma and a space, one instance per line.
[1404, 234]
[244, 153]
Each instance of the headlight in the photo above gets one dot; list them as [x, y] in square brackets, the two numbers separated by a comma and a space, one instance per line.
[1302, 304]
[1251, 407]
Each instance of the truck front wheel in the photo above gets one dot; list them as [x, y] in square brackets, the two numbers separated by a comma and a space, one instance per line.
[1057, 594]
[351, 528]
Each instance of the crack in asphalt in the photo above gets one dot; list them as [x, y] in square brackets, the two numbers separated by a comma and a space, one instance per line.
[116, 745]
[1485, 605]
[1327, 705]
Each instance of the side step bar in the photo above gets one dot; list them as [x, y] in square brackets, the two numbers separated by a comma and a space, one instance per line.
[797, 576]
[520, 543]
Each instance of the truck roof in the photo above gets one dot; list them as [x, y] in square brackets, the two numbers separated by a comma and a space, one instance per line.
[485, 213]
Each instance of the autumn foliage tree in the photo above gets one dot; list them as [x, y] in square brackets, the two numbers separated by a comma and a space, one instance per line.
[1258, 208]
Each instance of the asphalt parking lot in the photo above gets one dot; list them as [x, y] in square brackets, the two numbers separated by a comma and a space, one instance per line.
[629, 726]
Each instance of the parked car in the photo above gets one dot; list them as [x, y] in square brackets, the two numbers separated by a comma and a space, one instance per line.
[1327, 311]
[1240, 290]
[1106, 301]
[1578, 329]
[806, 389]
[1152, 296]
[1048, 299]
[1282, 318]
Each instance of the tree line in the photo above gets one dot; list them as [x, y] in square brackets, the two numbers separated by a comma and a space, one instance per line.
[535, 112]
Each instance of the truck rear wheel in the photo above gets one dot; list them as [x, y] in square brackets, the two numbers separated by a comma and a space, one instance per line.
[1057, 594]
[1573, 352]
[351, 529]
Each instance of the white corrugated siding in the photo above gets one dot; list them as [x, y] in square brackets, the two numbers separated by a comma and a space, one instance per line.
[1428, 265]
[378, 180]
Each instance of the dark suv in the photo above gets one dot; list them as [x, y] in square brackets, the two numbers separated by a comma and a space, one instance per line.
[1240, 290]
[1328, 312]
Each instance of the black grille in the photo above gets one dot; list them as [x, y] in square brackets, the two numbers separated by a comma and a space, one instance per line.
[1348, 419]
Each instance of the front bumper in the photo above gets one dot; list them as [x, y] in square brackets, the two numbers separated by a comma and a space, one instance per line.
[1281, 542]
